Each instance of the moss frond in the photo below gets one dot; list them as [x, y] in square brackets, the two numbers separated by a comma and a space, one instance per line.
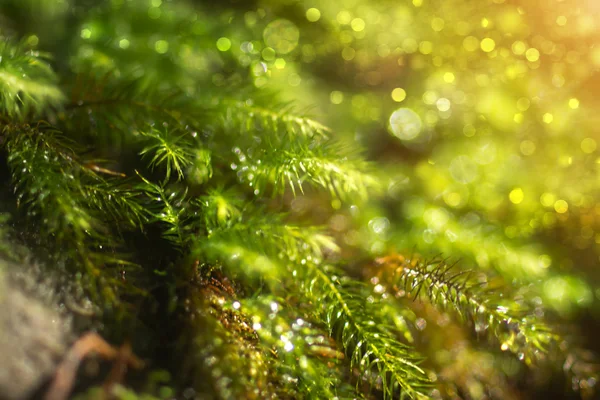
[118, 201]
[172, 150]
[48, 179]
[508, 322]
[510, 259]
[246, 118]
[167, 208]
[366, 336]
[160, 156]
[7, 248]
[307, 359]
[259, 246]
[225, 359]
[27, 82]
[328, 166]
[220, 208]
[63, 196]
[117, 108]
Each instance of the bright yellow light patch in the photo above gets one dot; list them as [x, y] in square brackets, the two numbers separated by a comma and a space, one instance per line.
[425, 47]
[510, 21]
[449, 77]
[516, 195]
[561, 20]
[588, 145]
[519, 47]
[519, 117]
[443, 104]
[357, 24]
[313, 14]
[548, 199]
[405, 124]
[561, 206]
[161, 46]
[343, 17]
[280, 63]
[548, 118]
[223, 44]
[398, 95]
[565, 160]
[336, 204]
[453, 199]
[498, 107]
[532, 55]
[437, 24]
[594, 55]
[336, 97]
[488, 45]
[573, 103]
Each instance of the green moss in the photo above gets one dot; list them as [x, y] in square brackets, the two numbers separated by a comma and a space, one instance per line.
[159, 187]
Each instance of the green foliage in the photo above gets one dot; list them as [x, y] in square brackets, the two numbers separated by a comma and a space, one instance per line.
[509, 322]
[27, 82]
[118, 201]
[263, 247]
[166, 209]
[156, 388]
[366, 336]
[279, 120]
[223, 346]
[5, 245]
[167, 148]
[39, 158]
[283, 168]
[305, 357]
[151, 152]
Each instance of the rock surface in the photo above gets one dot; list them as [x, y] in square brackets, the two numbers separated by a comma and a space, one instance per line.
[33, 333]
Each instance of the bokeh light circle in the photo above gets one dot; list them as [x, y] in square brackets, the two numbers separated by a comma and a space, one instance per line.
[405, 124]
[463, 169]
[281, 35]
